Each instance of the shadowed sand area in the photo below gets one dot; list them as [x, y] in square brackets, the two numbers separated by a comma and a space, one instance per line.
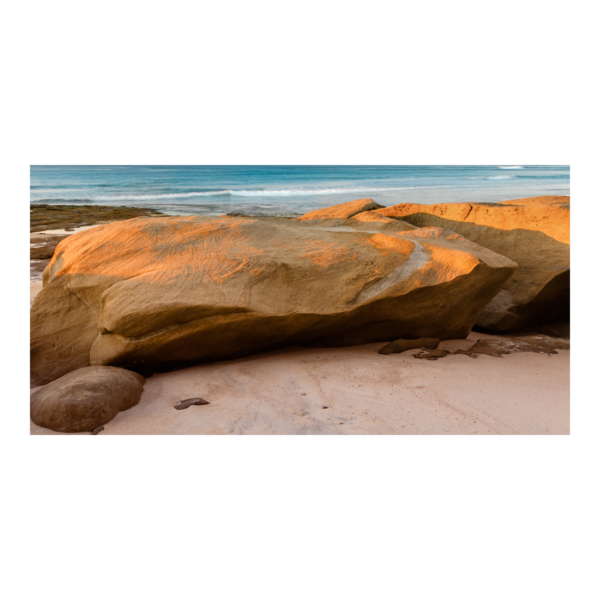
[284, 392]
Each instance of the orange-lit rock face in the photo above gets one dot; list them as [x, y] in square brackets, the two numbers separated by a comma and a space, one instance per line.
[531, 214]
[342, 211]
[326, 254]
[212, 250]
[166, 291]
[533, 232]
[391, 243]
[446, 263]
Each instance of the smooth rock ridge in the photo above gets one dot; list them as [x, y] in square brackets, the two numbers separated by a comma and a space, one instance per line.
[342, 211]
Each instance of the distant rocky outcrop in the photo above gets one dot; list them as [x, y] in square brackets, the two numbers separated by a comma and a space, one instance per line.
[533, 232]
[42, 247]
[85, 399]
[167, 291]
[342, 211]
[65, 216]
[538, 200]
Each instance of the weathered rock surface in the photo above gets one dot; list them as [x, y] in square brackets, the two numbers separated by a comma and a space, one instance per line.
[533, 232]
[398, 346]
[163, 292]
[342, 211]
[85, 399]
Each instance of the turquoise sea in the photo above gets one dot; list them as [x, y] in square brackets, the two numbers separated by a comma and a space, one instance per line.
[287, 190]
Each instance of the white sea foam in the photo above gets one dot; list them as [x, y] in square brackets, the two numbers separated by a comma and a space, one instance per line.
[326, 191]
[500, 177]
[141, 196]
[510, 167]
[249, 193]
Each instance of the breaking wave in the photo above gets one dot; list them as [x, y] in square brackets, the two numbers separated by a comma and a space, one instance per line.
[245, 193]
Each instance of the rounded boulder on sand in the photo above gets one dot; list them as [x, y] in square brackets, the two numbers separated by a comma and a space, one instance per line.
[85, 399]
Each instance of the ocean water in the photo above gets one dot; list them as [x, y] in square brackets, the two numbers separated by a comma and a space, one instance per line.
[287, 190]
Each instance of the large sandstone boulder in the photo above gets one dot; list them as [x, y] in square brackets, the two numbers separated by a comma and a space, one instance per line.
[342, 211]
[85, 399]
[163, 292]
[533, 232]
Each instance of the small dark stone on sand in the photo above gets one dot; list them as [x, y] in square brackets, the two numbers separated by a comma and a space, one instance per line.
[432, 354]
[98, 430]
[190, 402]
[326, 407]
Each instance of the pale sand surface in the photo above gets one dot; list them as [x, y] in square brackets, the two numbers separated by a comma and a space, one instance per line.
[366, 393]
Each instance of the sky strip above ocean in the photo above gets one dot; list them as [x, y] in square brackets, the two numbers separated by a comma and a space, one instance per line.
[287, 190]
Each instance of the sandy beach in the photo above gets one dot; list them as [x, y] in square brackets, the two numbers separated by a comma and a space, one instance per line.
[351, 390]
[284, 392]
